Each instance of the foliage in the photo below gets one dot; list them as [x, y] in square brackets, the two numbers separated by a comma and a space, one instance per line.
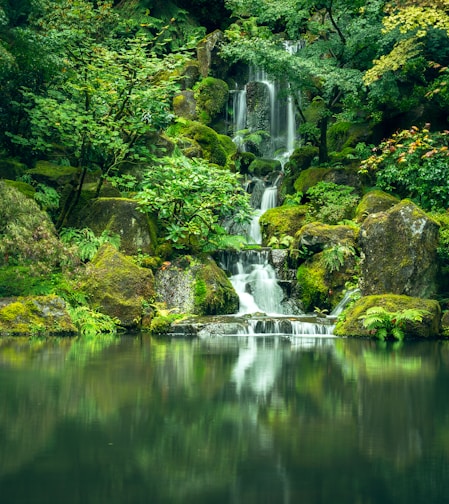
[90, 322]
[334, 257]
[210, 95]
[283, 242]
[331, 203]
[385, 324]
[413, 163]
[192, 198]
[86, 242]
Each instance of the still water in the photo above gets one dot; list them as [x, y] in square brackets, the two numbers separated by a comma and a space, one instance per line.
[225, 420]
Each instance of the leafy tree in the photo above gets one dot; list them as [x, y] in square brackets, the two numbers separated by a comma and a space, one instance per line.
[340, 38]
[111, 95]
[192, 199]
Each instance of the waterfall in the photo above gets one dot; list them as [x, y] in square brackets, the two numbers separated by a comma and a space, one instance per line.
[280, 111]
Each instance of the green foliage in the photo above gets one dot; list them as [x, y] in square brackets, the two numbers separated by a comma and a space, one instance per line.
[47, 197]
[385, 324]
[334, 257]
[283, 242]
[90, 322]
[191, 199]
[331, 203]
[211, 95]
[86, 242]
[413, 163]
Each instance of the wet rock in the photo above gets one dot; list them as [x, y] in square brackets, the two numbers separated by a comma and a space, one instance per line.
[316, 236]
[184, 105]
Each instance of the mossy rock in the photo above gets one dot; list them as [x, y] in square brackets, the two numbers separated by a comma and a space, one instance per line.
[137, 230]
[184, 105]
[117, 287]
[445, 324]
[343, 135]
[228, 145]
[26, 189]
[207, 51]
[282, 221]
[316, 236]
[399, 252]
[196, 285]
[310, 177]
[261, 167]
[208, 141]
[211, 96]
[312, 285]
[11, 168]
[34, 315]
[373, 202]
[351, 324]
[244, 160]
[301, 159]
[52, 174]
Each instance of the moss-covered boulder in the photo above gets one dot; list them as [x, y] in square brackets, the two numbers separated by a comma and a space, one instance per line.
[26, 189]
[352, 325]
[184, 105]
[282, 221]
[312, 285]
[373, 202]
[316, 236]
[207, 141]
[197, 286]
[262, 167]
[340, 175]
[137, 231]
[117, 287]
[33, 315]
[344, 134]
[399, 252]
[300, 160]
[211, 96]
[11, 168]
[52, 174]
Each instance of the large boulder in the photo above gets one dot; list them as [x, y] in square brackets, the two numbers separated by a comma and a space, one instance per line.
[282, 221]
[207, 51]
[352, 324]
[33, 315]
[316, 236]
[122, 216]
[374, 202]
[184, 105]
[197, 286]
[117, 287]
[399, 252]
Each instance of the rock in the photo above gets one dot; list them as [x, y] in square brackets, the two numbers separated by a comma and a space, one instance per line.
[341, 176]
[399, 252]
[351, 325]
[11, 168]
[282, 221]
[261, 167]
[207, 51]
[184, 105]
[374, 202]
[316, 236]
[54, 175]
[211, 96]
[35, 315]
[197, 286]
[118, 287]
[136, 229]
[312, 285]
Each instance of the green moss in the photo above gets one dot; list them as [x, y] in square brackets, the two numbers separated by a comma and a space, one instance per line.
[373, 202]
[282, 221]
[314, 291]
[261, 167]
[310, 177]
[351, 325]
[26, 315]
[53, 174]
[11, 168]
[209, 143]
[343, 134]
[211, 95]
[214, 294]
[26, 189]
[227, 144]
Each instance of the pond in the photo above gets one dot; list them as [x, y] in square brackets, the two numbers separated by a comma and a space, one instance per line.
[230, 419]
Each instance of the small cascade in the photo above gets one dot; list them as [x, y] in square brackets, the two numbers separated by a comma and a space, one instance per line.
[268, 200]
[254, 280]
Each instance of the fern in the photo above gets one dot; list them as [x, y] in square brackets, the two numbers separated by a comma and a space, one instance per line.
[87, 242]
[90, 322]
[385, 324]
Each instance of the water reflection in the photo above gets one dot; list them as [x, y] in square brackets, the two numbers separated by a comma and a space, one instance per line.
[223, 420]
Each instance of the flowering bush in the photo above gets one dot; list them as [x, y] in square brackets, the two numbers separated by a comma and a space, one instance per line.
[413, 163]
